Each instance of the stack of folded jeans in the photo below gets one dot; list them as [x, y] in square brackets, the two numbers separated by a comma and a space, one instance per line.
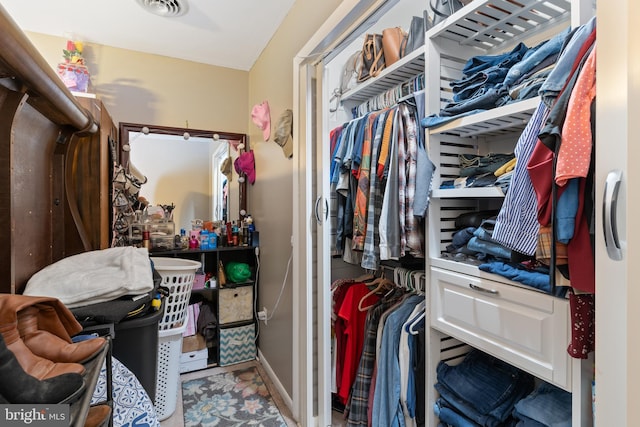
[489, 80]
[483, 243]
[480, 391]
[547, 406]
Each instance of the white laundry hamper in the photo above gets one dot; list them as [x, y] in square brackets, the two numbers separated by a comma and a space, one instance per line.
[177, 275]
[168, 378]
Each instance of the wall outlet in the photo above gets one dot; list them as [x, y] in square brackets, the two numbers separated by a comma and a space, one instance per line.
[262, 315]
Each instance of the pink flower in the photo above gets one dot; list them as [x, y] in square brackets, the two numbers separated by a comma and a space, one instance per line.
[70, 46]
[252, 406]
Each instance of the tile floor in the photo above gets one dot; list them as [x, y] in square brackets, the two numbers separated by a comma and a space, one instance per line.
[337, 419]
[176, 419]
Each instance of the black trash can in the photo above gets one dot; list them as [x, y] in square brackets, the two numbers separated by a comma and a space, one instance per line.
[135, 344]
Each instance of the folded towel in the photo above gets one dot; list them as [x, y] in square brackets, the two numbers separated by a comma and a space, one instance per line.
[95, 276]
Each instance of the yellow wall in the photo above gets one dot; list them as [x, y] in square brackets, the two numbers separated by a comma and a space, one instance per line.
[143, 88]
[270, 200]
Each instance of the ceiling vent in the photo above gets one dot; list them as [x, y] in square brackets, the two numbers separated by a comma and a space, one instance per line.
[167, 8]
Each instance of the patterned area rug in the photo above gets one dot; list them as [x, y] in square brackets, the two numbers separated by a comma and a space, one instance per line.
[228, 399]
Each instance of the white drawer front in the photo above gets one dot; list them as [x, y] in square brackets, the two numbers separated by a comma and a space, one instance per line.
[526, 328]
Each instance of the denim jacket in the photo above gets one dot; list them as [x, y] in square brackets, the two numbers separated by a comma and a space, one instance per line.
[558, 77]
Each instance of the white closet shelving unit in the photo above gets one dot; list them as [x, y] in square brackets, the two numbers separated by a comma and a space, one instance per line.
[524, 327]
[466, 307]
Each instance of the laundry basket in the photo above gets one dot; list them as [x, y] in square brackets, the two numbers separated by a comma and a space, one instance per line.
[168, 378]
[177, 275]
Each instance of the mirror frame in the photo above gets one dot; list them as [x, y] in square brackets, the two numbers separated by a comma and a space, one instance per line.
[125, 128]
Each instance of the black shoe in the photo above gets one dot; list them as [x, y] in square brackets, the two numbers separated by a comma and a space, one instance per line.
[19, 387]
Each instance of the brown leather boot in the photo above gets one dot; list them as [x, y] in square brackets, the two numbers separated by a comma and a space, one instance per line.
[45, 344]
[56, 318]
[98, 416]
[36, 366]
[53, 316]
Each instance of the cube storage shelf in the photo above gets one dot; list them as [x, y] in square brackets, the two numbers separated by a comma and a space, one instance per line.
[234, 306]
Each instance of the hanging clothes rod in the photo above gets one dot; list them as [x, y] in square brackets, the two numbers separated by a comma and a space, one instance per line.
[411, 95]
[391, 96]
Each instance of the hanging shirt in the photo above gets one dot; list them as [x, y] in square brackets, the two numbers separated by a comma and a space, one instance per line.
[517, 224]
[356, 410]
[371, 250]
[424, 166]
[389, 225]
[362, 191]
[412, 239]
[404, 363]
[354, 321]
[574, 155]
[338, 291]
[387, 410]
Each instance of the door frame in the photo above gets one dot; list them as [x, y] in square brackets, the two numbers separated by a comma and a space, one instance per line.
[311, 311]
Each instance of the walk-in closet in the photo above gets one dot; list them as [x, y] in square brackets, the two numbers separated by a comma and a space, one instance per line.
[477, 311]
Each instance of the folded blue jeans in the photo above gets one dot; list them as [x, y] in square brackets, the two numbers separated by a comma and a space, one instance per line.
[500, 417]
[484, 99]
[482, 62]
[535, 56]
[467, 87]
[434, 120]
[526, 421]
[548, 405]
[449, 416]
[482, 387]
[513, 272]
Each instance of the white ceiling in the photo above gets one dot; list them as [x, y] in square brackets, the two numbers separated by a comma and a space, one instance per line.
[226, 33]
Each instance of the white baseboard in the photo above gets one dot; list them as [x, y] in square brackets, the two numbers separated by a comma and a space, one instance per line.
[276, 382]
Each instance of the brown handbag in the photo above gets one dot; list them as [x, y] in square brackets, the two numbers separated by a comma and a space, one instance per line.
[394, 44]
[372, 57]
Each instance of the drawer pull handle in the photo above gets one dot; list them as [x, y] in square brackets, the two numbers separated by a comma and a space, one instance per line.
[487, 291]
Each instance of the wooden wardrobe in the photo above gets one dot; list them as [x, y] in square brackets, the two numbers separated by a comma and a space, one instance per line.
[54, 164]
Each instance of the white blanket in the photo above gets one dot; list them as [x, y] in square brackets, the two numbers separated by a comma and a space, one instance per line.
[95, 276]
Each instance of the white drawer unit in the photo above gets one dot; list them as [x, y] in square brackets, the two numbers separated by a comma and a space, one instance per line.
[526, 327]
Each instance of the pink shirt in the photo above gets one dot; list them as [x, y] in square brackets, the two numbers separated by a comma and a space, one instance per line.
[574, 156]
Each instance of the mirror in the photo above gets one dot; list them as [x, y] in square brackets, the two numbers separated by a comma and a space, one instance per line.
[183, 168]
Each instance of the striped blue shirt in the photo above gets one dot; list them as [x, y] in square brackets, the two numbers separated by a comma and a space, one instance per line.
[517, 223]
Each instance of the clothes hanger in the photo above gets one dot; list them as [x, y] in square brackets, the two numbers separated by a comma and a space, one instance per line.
[366, 277]
[411, 324]
[418, 281]
[382, 284]
[409, 281]
[416, 321]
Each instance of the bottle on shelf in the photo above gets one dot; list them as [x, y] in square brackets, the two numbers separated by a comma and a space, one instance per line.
[229, 235]
[184, 240]
[146, 241]
[251, 227]
[213, 240]
[193, 240]
[204, 239]
[235, 233]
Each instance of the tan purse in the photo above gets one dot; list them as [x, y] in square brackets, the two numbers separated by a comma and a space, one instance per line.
[394, 44]
[372, 57]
